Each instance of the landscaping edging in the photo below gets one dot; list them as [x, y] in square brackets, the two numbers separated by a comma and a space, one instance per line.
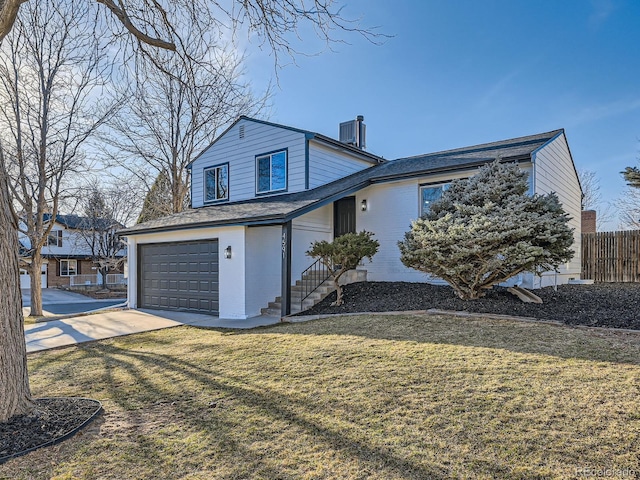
[455, 313]
[56, 438]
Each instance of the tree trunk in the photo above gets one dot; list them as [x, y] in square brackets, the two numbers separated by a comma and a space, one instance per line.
[15, 395]
[336, 278]
[35, 276]
[103, 274]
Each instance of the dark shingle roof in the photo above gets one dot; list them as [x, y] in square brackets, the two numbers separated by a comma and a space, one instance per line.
[281, 208]
[370, 157]
[76, 222]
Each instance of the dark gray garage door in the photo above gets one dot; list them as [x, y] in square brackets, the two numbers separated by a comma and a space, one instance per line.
[179, 276]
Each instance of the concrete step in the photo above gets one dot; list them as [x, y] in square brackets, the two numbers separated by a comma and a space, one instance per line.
[274, 308]
[275, 312]
[297, 297]
[300, 283]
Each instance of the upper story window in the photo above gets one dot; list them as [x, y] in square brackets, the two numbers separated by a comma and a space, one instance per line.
[429, 194]
[271, 172]
[55, 238]
[216, 183]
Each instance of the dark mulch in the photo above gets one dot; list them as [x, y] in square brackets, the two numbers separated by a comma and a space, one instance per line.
[614, 305]
[52, 420]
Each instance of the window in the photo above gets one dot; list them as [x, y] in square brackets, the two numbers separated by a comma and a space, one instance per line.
[55, 238]
[216, 183]
[429, 194]
[68, 268]
[271, 172]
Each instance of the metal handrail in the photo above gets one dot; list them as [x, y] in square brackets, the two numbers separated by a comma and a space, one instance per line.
[316, 271]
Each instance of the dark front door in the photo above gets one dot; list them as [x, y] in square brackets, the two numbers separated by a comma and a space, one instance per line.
[344, 216]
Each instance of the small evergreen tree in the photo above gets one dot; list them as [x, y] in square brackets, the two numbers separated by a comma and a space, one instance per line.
[159, 200]
[632, 176]
[487, 229]
[343, 254]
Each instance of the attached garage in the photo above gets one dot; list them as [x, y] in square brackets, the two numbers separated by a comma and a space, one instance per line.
[25, 279]
[179, 276]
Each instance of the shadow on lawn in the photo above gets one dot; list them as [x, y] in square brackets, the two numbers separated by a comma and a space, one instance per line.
[529, 337]
[278, 407]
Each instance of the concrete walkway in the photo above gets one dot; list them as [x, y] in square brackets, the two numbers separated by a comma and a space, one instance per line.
[98, 326]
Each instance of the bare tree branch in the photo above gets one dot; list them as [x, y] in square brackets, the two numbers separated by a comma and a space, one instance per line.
[52, 72]
[169, 119]
[8, 13]
[121, 14]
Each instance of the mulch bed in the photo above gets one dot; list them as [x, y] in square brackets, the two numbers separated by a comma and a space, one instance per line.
[615, 305]
[53, 420]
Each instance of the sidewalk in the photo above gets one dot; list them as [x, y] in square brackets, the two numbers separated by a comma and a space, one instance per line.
[98, 326]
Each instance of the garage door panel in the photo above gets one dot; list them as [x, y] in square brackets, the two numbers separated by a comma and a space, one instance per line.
[180, 276]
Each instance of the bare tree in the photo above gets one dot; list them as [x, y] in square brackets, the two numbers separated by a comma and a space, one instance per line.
[170, 117]
[105, 210]
[51, 74]
[628, 207]
[151, 23]
[14, 380]
[592, 197]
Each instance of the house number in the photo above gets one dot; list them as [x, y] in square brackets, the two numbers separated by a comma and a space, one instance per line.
[284, 244]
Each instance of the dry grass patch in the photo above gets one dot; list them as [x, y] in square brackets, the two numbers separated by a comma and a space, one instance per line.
[353, 397]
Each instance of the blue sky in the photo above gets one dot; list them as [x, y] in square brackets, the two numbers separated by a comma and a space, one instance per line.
[462, 72]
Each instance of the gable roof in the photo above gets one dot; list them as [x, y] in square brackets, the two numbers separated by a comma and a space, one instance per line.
[76, 222]
[279, 209]
[309, 135]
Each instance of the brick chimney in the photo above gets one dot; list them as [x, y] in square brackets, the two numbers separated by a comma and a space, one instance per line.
[588, 223]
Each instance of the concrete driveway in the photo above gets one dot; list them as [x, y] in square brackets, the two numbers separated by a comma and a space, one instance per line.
[71, 331]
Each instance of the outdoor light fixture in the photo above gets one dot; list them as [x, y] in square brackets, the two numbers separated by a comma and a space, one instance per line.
[227, 252]
[363, 205]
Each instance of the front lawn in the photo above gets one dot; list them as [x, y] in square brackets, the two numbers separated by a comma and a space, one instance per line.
[352, 397]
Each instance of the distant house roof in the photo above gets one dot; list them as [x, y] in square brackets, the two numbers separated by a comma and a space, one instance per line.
[22, 250]
[370, 157]
[76, 222]
[278, 209]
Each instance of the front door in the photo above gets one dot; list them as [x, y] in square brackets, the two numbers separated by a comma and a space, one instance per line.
[344, 216]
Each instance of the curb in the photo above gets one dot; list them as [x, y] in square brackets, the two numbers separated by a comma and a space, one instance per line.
[51, 318]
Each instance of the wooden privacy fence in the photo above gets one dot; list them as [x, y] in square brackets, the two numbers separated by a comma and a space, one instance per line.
[611, 256]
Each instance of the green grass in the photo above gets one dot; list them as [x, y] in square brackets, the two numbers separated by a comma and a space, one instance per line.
[361, 397]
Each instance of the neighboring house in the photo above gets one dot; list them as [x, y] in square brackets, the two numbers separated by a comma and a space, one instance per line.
[65, 255]
[262, 192]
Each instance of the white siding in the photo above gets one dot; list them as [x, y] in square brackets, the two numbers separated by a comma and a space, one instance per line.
[232, 270]
[328, 164]
[316, 225]
[73, 243]
[554, 172]
[263, 267]
[391, 207]
[240, 154]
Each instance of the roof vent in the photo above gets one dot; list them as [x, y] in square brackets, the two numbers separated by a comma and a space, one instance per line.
[354, 132]
[241, 131]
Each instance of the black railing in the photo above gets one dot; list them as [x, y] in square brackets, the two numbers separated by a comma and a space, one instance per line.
[312, 278]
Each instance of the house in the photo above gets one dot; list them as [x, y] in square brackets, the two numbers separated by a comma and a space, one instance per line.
[68, 258]
[262, 192]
